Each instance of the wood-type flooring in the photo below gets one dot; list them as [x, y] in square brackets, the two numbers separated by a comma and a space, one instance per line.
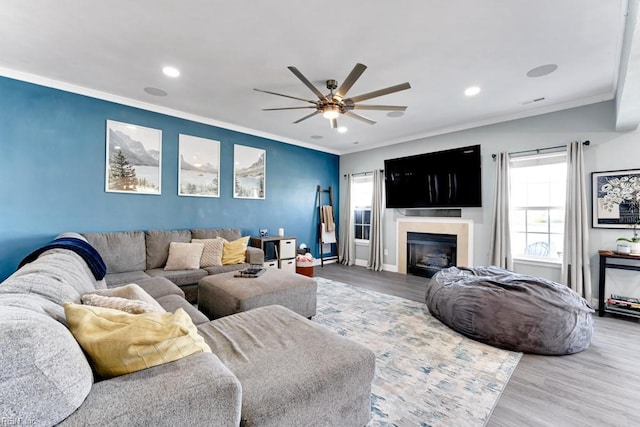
[598, 387]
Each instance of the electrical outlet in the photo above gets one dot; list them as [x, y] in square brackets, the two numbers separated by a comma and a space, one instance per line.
[386, 251]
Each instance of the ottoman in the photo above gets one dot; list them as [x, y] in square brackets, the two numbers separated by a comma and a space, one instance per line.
[293, 372]
[224, 294]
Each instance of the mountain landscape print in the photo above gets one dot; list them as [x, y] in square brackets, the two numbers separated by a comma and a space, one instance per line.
[198, 170]
[133, 159]
[249, 172]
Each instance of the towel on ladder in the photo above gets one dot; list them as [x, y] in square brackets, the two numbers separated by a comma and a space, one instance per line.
[327, 218]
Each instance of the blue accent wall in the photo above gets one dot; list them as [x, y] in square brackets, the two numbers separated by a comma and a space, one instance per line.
[52, 175]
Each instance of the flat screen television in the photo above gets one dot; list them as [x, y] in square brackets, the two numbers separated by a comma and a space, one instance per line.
[443, 179]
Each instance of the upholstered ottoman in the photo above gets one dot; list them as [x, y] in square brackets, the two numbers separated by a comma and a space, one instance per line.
[511, 310]
[224, 294]
[293, 372]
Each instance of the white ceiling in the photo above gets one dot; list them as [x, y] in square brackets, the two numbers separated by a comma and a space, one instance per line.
[224, 49]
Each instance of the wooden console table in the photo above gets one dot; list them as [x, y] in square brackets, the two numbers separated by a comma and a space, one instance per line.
[604, 264]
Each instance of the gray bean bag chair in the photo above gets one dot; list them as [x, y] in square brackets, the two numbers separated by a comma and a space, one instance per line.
[510, 310]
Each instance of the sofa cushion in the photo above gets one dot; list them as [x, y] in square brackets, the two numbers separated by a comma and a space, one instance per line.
[45, 376]
[212, 253]
[173, 302]
[229, 234]
[184, 256]
[234, 252]
[160, 286]
[58, 276]
[157, 243]
[119, 343]
[179, 277]
[225, 268]
[118, 279]
[121, 251]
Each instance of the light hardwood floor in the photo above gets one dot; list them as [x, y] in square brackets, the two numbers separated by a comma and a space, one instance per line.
[598, 387]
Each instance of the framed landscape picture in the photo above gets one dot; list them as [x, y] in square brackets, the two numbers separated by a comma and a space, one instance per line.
[616, 198]
[133, 160]
[198, 167]
[249, 172]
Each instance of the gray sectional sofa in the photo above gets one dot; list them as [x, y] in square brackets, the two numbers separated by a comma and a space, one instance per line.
[268, 366]
[135, 255]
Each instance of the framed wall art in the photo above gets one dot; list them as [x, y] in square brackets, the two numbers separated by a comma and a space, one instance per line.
[249, 172]
[198, 167]
[616, 198]
[133, 159]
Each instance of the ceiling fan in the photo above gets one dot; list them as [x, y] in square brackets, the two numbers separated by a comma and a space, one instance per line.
[334, 104]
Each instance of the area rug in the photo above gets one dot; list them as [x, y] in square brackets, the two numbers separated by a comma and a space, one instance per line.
[426, 373]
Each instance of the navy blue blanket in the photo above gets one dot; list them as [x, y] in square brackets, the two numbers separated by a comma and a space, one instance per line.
[79, 246]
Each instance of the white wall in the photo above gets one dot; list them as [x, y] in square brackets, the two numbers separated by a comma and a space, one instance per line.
[609, 150]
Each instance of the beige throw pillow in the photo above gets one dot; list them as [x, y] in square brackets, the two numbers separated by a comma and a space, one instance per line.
[184, 256]
[132, 306]
[212, 253]
[130, 291]
[119, 343]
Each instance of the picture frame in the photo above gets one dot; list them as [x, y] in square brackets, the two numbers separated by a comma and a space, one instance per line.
[133, 162]
[616, 198]
[249, 172]
[198, 166]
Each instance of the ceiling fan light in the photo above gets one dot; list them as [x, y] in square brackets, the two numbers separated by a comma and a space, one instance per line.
[331, 113]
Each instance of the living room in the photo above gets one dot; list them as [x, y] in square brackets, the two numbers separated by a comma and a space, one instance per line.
[53, 136]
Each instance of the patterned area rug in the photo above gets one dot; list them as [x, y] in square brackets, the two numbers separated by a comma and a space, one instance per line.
[426, 374]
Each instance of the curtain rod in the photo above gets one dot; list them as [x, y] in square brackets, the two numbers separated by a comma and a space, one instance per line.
[362, 173]
[538, 150]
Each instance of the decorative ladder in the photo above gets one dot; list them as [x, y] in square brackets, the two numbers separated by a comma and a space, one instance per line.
[321, 241]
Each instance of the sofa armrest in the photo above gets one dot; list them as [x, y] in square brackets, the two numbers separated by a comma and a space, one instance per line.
[195, 390]
[254, 255]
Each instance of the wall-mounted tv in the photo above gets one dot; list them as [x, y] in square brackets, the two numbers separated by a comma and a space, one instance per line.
[443, 179]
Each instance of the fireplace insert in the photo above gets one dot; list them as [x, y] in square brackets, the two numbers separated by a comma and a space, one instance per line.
[428, 253]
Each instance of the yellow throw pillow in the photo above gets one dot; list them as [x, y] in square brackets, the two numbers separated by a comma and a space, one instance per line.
[234, 252]
[212, 254]
[119, 343]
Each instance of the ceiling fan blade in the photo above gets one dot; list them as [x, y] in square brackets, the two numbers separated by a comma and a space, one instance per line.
[379, 107]
[359, 117]
[307, 83]
[286, 96]
[351, 79]
[286, 108]
[334, 123]
[380, 92]
[306, 117]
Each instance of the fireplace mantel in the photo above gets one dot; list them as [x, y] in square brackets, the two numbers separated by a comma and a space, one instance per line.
[461, 228]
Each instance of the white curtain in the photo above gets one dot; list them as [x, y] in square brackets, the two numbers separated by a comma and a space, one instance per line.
[576, 271]
[376, 247]
[347, 243]
[500, 246]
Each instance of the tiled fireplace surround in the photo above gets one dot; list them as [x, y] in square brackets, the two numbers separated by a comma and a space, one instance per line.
[461, 228]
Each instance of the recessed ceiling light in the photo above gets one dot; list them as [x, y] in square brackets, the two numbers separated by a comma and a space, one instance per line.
[342, 129]
[472, 91]
[171, 71]
[155, 91]
[395, 114]
[542, 70]
[316, 137]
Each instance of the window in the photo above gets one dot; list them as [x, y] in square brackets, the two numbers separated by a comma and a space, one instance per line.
[538, 194]
[361, 197]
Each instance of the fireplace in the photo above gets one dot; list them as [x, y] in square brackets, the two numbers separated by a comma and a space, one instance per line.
[462, 229]
[428, 253]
